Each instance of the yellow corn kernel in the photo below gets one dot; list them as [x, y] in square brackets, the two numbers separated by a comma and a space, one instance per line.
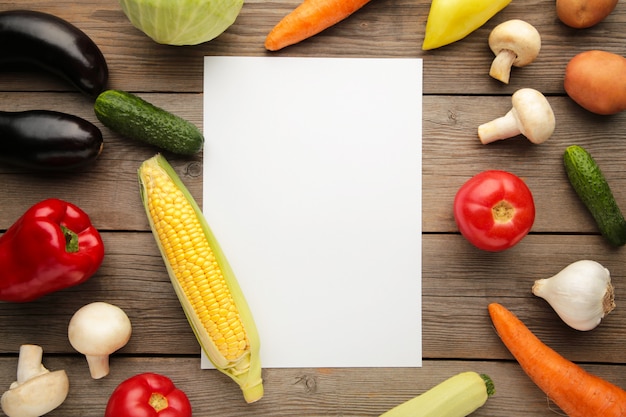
[201, 277]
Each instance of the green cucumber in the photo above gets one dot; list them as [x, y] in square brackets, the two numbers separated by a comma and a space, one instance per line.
[135, 118]
[591, 186]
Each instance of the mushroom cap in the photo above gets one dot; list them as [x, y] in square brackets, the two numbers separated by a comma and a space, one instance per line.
[37, 396]
[534, 113]
[99, 328]
[518, 36]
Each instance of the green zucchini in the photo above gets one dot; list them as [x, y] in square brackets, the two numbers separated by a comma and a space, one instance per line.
[592, 188]
[458, 396]
[135, 118]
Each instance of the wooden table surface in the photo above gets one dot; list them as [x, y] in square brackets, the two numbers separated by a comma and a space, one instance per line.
[459, 281]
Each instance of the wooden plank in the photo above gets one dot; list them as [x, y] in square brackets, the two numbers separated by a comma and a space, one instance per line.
[459, 282]
[452, 154]
[384, 28]
[303, 391]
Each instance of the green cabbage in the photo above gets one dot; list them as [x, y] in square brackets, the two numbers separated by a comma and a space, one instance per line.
[182, 22]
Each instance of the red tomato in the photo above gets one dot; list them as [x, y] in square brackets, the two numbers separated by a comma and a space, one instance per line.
[494, 210]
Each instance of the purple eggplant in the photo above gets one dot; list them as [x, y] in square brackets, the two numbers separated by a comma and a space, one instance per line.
[53, 44]
[46, 140]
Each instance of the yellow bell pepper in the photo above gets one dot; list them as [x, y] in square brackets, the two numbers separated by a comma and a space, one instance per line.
[452, 20]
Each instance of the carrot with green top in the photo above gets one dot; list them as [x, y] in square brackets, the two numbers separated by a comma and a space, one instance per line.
[308, 19]
[576, 392]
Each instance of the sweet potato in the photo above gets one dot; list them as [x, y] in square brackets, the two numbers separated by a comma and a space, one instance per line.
[581, 14]
[596, 80]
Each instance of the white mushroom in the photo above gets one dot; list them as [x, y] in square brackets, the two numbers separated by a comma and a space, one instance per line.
[515, 43]
[97, 330]
[531, 116]
[37, 391]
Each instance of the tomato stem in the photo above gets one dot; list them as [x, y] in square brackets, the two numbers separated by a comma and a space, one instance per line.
[503, 211]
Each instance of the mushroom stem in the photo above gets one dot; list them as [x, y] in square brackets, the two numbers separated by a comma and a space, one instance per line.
[98, 365]
[29, 363]
[501, 128]
[501, 65]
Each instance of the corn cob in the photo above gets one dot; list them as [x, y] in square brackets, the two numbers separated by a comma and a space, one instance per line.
[202, 279]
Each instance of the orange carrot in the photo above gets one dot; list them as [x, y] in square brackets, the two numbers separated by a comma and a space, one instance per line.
[308, 19]
[576, 392]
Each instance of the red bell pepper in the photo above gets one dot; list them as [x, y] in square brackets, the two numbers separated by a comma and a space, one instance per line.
[51, 247]
[148, 395]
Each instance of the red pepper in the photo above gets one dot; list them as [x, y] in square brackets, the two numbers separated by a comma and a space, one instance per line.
[148, 395]
[51, 247]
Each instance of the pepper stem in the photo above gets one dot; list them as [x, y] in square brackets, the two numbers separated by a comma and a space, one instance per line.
[71, 240]
[158, 401]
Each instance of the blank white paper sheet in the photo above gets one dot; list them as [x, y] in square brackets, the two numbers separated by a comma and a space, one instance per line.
[312, 186]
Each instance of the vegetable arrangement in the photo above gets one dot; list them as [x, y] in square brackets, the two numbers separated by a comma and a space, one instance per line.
[581, 294]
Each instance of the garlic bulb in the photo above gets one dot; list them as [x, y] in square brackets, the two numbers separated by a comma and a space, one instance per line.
[581, 294]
